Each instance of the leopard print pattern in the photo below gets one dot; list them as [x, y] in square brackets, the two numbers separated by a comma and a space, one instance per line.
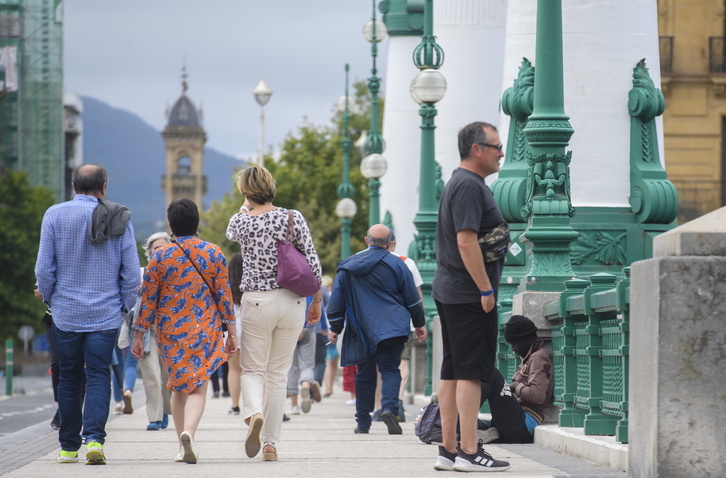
[258, 236]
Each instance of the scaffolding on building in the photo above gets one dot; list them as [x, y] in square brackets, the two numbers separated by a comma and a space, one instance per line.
[31, 132]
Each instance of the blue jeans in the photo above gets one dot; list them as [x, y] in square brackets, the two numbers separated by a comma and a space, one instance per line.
[385, 359]
[84, 354]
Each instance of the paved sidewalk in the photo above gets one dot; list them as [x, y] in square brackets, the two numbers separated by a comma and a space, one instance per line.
[320, 444]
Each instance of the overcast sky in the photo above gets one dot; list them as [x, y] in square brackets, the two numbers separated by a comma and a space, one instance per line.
[130, 54]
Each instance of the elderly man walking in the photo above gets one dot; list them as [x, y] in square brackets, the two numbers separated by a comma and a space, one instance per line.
[88, 273]
[375, 299]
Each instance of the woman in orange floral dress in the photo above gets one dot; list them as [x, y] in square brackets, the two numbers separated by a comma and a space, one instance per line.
[188, 318]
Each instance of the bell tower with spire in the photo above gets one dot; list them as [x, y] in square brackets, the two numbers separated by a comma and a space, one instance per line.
[184, 139]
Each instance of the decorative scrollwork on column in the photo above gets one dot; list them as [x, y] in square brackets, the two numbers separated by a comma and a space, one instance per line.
[653, 198]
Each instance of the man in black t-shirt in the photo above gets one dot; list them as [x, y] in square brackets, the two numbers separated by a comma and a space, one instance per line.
[464, 290]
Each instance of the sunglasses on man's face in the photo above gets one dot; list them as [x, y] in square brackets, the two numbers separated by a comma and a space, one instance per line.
[498, 147]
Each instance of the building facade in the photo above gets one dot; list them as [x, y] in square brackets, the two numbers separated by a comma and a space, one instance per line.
[693, 79]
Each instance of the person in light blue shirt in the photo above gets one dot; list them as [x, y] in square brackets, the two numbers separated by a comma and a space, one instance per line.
[88, 273]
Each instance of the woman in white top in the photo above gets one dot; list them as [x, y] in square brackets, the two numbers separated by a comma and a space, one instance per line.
[272, 317]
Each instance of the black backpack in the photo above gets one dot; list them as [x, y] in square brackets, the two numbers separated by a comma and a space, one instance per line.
[428, 424]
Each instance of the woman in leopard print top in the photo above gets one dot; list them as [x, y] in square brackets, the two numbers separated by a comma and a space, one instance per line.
[272, 317]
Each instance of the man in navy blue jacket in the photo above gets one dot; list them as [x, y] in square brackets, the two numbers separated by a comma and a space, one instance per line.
[375, 299]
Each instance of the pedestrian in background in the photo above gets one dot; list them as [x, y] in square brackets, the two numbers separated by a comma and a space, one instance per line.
[186, 294]
[272, 317]
[235, 267]
[375, 298]
[154, 375]
[87, 272]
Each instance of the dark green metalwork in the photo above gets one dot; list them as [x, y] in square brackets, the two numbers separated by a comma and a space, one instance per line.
[345, 189]
[590, 364]
[510, 187]
[403, 17]
[653, 198]
[374, 141]
[590, 351]
[548, 206]
[428, 55]
[563, 353]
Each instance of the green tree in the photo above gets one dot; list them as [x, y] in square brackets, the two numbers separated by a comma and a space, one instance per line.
[308, 173]
[21, 213]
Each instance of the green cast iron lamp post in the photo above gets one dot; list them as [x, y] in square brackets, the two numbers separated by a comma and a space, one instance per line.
[374, 164]
[346, 207]
[427, 88]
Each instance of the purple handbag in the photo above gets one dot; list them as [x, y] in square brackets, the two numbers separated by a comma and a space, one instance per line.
[293, 271]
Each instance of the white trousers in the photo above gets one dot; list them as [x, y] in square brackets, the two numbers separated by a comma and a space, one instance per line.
[154, 377]
[271, 323]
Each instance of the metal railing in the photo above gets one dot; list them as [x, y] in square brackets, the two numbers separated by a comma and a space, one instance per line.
[590, 348]
[665, 44]
[697, 197]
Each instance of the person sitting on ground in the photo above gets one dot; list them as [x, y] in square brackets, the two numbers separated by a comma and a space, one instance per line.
[518, 407]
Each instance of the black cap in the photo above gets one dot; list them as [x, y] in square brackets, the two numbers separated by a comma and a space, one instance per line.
[519, 327]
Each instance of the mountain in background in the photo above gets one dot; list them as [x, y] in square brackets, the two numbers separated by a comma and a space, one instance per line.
[133, 154]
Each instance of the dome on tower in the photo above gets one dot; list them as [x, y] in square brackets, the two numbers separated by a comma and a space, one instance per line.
[184, 113]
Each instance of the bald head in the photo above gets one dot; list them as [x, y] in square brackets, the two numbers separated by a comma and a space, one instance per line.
[90, 179]
[379, 236]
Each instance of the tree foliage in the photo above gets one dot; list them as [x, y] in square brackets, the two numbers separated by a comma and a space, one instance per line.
[21, 213]
[307, 174]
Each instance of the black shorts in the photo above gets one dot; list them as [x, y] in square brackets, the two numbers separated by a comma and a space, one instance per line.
[469, 337]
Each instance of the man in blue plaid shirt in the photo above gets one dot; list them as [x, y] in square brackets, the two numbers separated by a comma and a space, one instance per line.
[88, 273]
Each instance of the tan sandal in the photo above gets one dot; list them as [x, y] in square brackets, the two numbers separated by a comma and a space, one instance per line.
[252, 443]
[269, 456]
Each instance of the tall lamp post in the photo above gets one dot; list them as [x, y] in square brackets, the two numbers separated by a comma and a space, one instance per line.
[427, 88]
[262, 95]
[346, 207]
[373, 166]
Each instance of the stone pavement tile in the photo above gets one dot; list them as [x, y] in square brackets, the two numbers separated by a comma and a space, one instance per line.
[320, 444]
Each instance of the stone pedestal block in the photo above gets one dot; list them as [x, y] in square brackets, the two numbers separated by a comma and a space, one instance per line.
[532, 305]
[678, 355]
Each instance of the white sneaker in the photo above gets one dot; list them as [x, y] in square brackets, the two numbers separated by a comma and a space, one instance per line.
[445, 460]
[118, 409]
[479, 461]
[350, 402]
[295, 410]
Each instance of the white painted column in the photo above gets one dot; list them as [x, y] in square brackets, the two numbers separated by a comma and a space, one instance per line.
[603, 42]
[471, 33]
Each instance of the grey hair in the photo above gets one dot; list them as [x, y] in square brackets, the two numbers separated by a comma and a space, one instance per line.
[152, 238]
[471, 134]
[379, 241]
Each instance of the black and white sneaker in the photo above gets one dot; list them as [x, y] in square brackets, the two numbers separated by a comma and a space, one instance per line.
[479, 461]
[445, 460]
